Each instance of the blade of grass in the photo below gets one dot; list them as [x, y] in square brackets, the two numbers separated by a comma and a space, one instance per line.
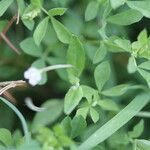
[116, 122]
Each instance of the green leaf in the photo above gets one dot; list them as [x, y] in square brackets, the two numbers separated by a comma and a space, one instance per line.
[3, 24]
[78, 125]
[21, 6]
[145, 75]
[132, 66]
[29, 47]
[82, 112]
[145, 65]
[66, 124]
[94, 115]
[137, 130]
[4, 4]
[28, 23]
[141, 6]
[40, 31]
[125, 18]
[53, 110]
[143, 144]
[117, 3]
[40, 63]
[116, 122]
[57, 11]
[102, 74]
[100, 54]
[36, 3]
[72, 99]
[119, 89]
[91, 10]
[62, 32]
[5, 137]
[108, 104]
[75, 57]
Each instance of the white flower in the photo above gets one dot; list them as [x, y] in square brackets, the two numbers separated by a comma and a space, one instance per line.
[33, 75]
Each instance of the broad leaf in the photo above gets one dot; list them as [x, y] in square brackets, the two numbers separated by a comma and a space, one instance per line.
[141, 6]
[40, 31]
[94, 115]
[117, 3]
[57, 11]
[78, 125]
[116, 122]
[53, 110]
[132, 66]
[100, 54]
[137, 130]
[62, 32]
[91, 10]
[75, 57]
[143, 144]
[5, 137]
[4, 4]
[72, 99]
[101, 74]
[125, 18]
[28, 46]
[145, 65]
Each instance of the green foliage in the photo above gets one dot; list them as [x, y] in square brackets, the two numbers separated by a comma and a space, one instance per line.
[96, 66]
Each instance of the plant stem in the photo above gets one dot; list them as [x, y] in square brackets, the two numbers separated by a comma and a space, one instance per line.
[21, 117]
[53, 67]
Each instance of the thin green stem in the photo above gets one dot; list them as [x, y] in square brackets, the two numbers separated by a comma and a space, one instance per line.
[21, 117]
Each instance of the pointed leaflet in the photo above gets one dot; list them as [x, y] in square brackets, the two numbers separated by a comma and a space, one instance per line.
[4, 4]
[57, 11]
[132, 66]
[29, 47]
[72, 99]
[100, 54]
[117, 3]
[137, 130]
[62, 32]
[101, 74]
[141, 6]
[91, 10]
[40, 31]
[75, 57]
[121, 118]
[125, 18]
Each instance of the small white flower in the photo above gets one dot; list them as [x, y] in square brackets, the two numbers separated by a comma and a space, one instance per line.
[33, 75]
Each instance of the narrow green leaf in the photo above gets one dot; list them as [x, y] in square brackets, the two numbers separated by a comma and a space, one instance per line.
[125, 18]
[91, 10]
[100, 54]
[57, 11]
[62, 32]
[75, 57]
[78, 125]
[141, 6]
[94, 115]
[53, 110]
[117, 3]
[29, 47]
[101, 74]
[5, 137]
[28, 23]
[137, 130]
[72, 99]
[40, 31]
[4, 4]
[116, 122]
